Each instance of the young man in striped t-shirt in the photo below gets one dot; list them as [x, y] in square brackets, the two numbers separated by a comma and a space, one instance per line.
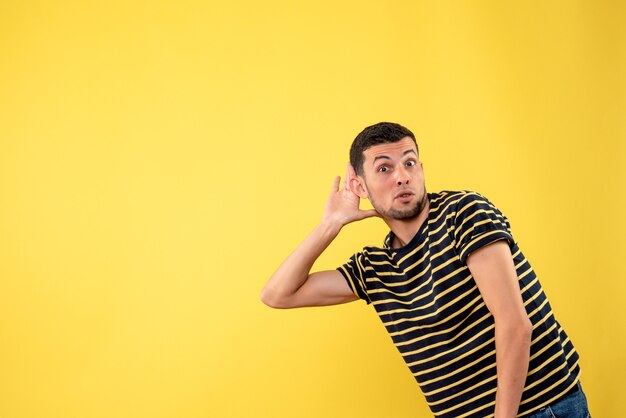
[450, 284]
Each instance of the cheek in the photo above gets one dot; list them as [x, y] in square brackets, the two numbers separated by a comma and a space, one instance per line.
[382, 190]
[381, 187]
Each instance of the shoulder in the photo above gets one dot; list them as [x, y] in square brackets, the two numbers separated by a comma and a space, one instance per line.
[370, 253]
[452, 200]
[447, 195]
[459, 204]
[468, 195]
[469, 198]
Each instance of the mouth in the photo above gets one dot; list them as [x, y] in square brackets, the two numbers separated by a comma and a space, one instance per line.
[404, 195]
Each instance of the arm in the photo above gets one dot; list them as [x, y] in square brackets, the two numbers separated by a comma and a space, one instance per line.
[292, 285]
[493, 269]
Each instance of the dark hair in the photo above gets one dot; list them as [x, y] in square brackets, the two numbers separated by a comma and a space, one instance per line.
[380, 133]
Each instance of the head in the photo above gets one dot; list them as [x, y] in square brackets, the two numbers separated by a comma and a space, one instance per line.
[381, 133]
[386, 160]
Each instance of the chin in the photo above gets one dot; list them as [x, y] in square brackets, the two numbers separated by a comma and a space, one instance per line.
[407, 213]
[401, 214]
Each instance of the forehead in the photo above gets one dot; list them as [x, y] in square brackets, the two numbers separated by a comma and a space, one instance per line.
[392, 150]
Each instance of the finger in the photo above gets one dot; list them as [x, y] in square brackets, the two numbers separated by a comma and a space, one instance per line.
[350, 174]
[336, 184]
[346, 181]
[348, 171]
[351, 170]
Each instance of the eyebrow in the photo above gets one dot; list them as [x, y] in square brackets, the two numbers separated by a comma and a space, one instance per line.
[384, 157]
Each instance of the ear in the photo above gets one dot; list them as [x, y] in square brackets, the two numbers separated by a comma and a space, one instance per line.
[357, 186]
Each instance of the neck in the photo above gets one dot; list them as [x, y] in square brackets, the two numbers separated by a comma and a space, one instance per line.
[405, 229]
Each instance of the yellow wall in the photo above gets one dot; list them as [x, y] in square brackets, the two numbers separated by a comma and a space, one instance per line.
[158, 160]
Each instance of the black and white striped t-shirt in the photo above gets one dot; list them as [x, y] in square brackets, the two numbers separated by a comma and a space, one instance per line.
[429, 303]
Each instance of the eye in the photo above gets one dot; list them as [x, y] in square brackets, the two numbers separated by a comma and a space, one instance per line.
[411, 163]
[382, 169]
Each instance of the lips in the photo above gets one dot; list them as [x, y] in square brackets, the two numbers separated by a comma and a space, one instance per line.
[404, 195]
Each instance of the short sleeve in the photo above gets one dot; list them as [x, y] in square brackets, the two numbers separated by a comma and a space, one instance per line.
[478, 222]
[354, 273]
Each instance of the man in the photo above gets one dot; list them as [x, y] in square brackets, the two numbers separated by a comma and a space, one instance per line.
[456, 294]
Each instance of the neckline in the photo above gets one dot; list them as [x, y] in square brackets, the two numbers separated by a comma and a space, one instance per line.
[409, 245]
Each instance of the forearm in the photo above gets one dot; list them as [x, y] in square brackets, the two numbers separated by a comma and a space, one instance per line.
[512, 357]
[294, 271]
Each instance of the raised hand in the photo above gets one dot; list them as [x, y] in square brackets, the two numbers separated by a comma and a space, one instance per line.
[342, 206]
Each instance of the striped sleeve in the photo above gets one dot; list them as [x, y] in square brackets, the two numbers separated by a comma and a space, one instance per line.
[478, 223]
[354, 273]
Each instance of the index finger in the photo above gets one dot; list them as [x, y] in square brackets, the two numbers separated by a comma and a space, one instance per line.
[351, 170]
[346, 179]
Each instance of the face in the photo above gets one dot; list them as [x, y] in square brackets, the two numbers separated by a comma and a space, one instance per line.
[393, 178]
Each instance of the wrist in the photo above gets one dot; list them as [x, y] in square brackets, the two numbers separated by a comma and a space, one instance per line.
[330, 228]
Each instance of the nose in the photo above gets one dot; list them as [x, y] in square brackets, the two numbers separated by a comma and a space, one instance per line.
[403, 176]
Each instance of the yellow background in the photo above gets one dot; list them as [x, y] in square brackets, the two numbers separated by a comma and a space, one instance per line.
[158, 160]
